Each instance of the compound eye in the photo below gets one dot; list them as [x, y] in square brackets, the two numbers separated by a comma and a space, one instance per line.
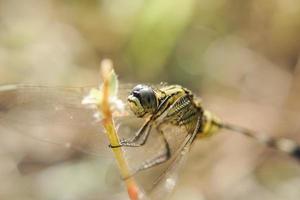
[136, 94]
[147, 96]
[145, 99]
[139, 87]
[148, 99]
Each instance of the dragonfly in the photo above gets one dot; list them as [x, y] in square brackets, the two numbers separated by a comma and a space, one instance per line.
[177, 105]
[55, 115]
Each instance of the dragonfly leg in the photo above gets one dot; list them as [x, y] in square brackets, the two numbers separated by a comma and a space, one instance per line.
[141, 136]
[139, 139]
[161, 157]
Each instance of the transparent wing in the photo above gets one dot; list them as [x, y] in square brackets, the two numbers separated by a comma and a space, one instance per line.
[158, 181]
[49, 125]
[45, 126]
[52, 115]
[46, 136]
[165, 182]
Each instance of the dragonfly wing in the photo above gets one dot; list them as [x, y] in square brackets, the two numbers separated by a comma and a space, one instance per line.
[51, 118]
[165, 182]
[158, 181]
[49, 136]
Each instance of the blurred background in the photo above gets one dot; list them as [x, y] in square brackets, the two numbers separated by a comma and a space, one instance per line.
[241, 57]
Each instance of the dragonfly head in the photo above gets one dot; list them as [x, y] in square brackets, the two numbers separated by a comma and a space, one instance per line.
[142, 100]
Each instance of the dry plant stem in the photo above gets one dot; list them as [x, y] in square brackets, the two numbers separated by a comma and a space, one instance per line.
[113, 137]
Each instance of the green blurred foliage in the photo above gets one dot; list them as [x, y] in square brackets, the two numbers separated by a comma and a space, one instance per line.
[149, 41]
